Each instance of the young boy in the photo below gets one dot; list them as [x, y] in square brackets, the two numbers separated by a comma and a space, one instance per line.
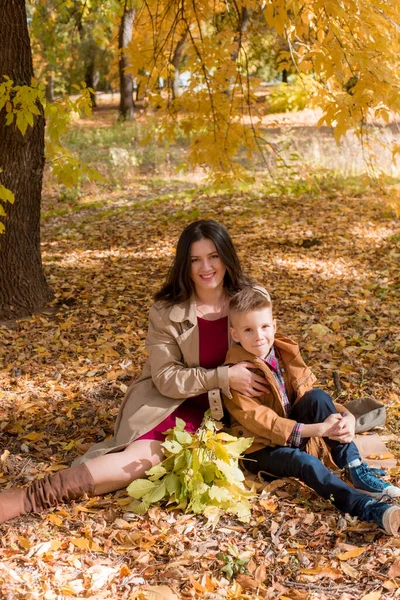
[288, 422]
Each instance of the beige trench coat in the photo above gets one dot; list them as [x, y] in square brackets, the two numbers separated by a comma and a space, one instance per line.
[170, 375]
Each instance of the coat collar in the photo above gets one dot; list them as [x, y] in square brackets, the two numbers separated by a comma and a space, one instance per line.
[184, 311]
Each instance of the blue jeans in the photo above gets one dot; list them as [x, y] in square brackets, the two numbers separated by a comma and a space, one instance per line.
[282, 461]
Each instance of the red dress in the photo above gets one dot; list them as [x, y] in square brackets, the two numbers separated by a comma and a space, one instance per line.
[213, 346]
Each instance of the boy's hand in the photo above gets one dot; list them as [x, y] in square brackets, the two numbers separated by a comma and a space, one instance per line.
[331, 425]
[321, 429]
[344, 431]
[244, 381]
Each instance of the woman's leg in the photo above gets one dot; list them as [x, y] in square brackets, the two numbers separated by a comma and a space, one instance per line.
[98, 476]
[116, 470]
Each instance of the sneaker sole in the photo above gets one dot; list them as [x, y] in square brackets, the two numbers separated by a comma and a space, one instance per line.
[391, 520]
[391, 493]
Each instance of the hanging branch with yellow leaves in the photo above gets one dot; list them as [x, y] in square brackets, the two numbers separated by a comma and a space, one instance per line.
[347, 51]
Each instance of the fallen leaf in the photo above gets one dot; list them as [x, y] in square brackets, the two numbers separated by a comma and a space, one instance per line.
[349, 570]
[246, 582]
[372, 596]
[160, 592]
[394, 570]
[351, 554]
[269, 505]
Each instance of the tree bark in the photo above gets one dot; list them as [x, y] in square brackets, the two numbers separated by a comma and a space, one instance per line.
[91, 78]
[23, 287]
[176, 62]
[126, 106]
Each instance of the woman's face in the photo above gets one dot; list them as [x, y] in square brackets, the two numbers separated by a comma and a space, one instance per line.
[207, 270]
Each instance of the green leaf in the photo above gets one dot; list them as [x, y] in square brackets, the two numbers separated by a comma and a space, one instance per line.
[231, 473]
[172, 446]
[156, 472]
[22, 123]
[237, 447]
[180, 462]
[6, 195]
[183, 437]
[219, 494]
[172, 483]
[157, 493]
[139, 508]
[180, 424]
[140, 487]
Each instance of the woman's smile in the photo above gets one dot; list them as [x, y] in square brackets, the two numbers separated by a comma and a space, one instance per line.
[207, 270]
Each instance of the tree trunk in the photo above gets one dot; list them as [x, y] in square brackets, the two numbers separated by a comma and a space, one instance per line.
[23, 287]
[91, 78]
[176, 62]
[50, 88]
[126, 106]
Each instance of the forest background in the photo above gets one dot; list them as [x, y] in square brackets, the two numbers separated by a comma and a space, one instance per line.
[193, 116]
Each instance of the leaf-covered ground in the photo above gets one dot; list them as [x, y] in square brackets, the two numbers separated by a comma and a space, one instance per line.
[331, 260]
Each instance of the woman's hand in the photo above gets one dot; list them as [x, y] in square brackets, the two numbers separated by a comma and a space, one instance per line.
[344, 430]
[244, 381]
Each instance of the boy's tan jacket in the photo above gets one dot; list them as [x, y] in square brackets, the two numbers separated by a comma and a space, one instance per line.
[170, 375]
[264, 417]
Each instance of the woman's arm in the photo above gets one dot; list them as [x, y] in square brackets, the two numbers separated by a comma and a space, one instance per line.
[169, 374]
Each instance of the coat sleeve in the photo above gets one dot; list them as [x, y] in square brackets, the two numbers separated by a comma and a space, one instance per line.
[170, 375]
[259, 419]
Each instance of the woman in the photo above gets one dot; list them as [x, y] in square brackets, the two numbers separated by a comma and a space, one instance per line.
[187, 340]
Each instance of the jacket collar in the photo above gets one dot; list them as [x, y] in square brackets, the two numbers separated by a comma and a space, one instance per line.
[184, 311]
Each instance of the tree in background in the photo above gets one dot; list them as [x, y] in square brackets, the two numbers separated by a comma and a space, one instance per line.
[349, 50]
[23, 287]
[126, 105]
[73, 42]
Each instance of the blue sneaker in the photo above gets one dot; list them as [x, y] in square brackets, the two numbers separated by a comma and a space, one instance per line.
[364, 480]
[384, 515]
[378, 472]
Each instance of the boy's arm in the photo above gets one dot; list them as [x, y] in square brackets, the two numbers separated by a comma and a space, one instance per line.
[260, 419]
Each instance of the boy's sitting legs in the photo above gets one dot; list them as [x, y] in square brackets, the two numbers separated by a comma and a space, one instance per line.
[293, 462]
[314, 407]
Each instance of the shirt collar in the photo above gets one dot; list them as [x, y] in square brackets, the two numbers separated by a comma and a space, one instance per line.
[271, 360]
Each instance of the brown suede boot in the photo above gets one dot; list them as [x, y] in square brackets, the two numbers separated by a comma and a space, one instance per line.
[64, 486]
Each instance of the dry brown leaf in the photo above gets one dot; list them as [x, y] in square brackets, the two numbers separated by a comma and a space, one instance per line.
[372, 596]
[383, 456]
[351, 554]
[349, 570]
[260, 574]
[394, 570]
[55, 519]
[246, 582]
[24, 542]
[269, 505]
[160, 592]
[197, 586]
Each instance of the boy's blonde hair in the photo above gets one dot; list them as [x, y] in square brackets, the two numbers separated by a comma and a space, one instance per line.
[249, 299]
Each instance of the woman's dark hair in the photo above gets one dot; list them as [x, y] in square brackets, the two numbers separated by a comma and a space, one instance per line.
[178, 285]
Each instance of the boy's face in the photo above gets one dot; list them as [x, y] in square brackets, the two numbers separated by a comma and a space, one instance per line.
[255, 331]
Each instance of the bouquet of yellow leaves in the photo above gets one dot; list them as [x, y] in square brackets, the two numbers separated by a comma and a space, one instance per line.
[200, 474]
